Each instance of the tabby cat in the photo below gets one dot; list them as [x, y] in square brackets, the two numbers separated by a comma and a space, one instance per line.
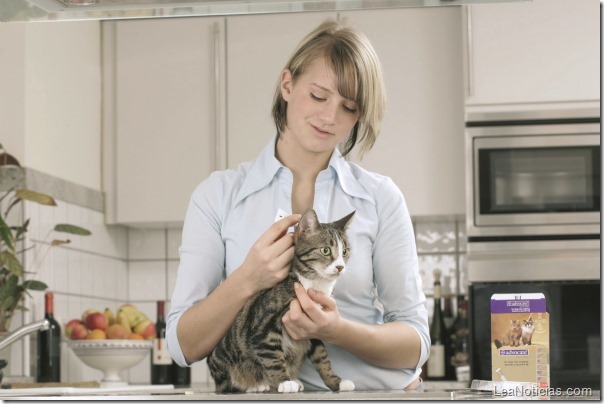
[256, 354]
[512, 337]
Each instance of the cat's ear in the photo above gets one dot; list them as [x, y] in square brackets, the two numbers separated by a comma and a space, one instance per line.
[309, 221]
[344, 222]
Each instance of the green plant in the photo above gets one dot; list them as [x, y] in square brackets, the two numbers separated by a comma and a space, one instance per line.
[15, 281]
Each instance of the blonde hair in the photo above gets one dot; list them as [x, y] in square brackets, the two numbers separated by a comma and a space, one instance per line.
[358, 73]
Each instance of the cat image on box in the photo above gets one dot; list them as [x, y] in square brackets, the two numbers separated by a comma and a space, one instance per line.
[256, 354]
[517, 335]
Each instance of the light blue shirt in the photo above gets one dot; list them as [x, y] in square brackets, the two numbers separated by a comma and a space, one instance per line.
[231, 209]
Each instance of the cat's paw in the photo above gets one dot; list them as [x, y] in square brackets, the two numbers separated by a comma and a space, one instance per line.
[346, 385]
[300, 384]
[261, 388]
[290, 386]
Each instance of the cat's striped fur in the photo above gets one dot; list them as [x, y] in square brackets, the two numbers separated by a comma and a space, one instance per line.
[256, 354]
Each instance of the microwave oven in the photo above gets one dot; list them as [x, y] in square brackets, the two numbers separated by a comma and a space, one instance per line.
[533, 176]
[533, 193]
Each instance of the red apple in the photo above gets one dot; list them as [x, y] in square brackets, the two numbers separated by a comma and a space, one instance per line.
[87, 312]
[96, 320]
[79, 331]
[145, 329]
[69, 326]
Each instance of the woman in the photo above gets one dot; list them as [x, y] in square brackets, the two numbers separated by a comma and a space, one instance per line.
[329, 93]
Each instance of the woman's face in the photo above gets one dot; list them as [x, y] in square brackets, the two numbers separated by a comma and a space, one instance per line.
[318, 117]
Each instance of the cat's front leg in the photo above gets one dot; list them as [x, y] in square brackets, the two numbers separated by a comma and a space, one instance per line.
[318, 357]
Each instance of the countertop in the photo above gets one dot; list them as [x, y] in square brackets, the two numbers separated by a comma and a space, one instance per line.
[204, 392]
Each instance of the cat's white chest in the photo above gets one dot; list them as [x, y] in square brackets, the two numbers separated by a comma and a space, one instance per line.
[320, 286]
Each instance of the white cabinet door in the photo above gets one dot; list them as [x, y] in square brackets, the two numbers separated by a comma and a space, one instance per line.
[534, 52]
[421, 144]
[258, 47]
[167, 114]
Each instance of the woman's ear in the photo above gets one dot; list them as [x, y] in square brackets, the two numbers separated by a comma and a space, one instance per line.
[286, 84]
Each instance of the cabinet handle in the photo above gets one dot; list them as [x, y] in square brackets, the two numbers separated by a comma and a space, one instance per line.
[470, 50]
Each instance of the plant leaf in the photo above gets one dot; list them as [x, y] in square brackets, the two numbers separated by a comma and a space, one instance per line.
[72, 229]
[34, 285]
[34, 196]
[10, 262]
[6, 234]
[56, 242]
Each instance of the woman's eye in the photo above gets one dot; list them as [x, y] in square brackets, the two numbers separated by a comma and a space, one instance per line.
[325, 250]
[314, 97]
[351, 110]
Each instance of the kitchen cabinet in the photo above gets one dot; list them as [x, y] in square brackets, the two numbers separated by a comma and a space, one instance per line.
[175, 87]
[540, 51]
[164, 115]
[421, 143]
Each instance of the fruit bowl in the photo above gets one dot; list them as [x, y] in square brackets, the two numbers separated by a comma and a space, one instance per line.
[111, 356]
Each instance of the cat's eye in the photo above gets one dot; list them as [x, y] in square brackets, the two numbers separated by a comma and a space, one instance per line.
[325, 250]
[346, 252]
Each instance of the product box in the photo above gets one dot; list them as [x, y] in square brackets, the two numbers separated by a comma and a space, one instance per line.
[520, 338]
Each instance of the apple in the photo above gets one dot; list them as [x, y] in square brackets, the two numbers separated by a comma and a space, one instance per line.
[96, 320]
[69, 326]
[145, 329]
[87, 312]
[117, 331]
[79, 331]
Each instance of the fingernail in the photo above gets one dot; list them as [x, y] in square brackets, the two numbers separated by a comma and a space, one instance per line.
[296, 285]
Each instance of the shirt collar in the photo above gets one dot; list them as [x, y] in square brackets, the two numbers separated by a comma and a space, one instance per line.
[266, 166]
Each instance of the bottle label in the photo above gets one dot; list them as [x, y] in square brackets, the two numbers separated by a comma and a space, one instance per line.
[436, 361]
[161, 355]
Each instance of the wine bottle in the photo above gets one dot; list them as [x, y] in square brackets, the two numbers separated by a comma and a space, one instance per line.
[181, 377]
[160, 359]
[438, 336]
[49, 345]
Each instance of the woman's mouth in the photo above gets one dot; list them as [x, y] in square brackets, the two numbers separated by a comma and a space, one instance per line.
[320, 132]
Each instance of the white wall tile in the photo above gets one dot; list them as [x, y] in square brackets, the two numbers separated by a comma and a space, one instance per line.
[172, 272]
[174, 241]
[146, 244]
[147, 280]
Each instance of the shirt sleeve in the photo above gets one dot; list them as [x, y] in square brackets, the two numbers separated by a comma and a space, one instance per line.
[396, 266]
[202, 252]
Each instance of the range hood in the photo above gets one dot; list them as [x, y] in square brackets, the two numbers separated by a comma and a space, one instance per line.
[65, 10]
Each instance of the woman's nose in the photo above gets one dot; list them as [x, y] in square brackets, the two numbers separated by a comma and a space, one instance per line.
[329, 113]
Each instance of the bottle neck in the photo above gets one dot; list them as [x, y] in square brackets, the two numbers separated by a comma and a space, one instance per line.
[160, 310]
[437, 291]
[49, 304]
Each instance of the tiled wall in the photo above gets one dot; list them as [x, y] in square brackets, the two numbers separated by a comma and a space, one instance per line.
[117, 265]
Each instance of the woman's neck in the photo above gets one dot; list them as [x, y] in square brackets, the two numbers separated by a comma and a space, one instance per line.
[304, 165]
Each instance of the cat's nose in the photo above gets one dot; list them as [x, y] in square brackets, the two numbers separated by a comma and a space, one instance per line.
[339, 268]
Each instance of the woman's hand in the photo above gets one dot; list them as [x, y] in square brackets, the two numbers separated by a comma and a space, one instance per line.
[312, 315]
[268, 261]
